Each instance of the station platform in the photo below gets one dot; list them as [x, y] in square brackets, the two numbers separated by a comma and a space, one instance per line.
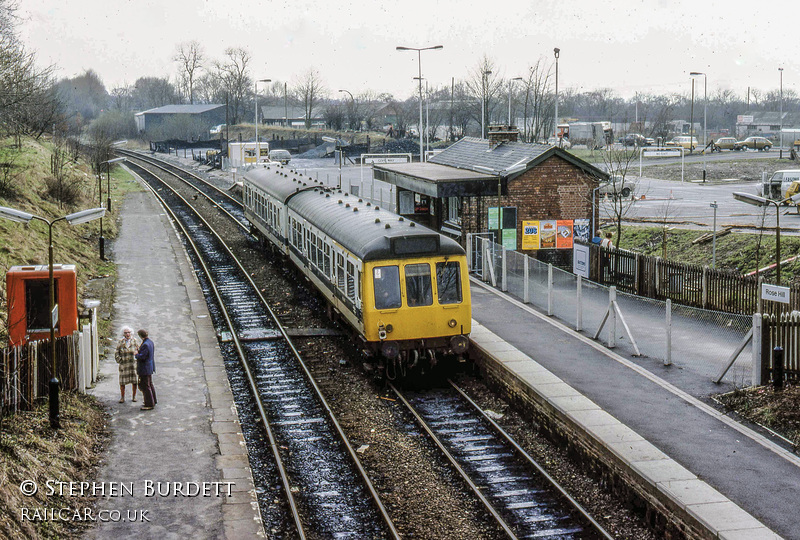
[720, 475]
[185, 461]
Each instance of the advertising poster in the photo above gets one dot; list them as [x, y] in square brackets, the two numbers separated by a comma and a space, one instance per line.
[510, 239]
[564, 236]
[493, 221]
[580, 260]
[580, 229]
[530, 235]
[547, 234]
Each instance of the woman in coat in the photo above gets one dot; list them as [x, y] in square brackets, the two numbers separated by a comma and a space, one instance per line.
[145, 367]
[126, 348]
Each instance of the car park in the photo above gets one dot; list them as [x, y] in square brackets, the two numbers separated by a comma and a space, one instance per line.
[724, 143]
[689, 143]
[757, 143]
[281, 156]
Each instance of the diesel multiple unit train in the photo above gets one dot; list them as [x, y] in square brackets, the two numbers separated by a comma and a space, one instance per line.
[402, 288]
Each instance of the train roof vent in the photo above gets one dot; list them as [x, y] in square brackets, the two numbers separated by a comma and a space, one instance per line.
[401, 219]
[377, 220]
[360, 200]
[377, 208]
[327, 195]
[340, 201]
[412, 224]
[369, 204]
[388, 226]
[355, 209]
[347, 205]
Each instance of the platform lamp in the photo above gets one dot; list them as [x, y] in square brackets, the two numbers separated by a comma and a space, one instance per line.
[73, 219]
[755, 200]
[101, 242]
[108, 173]
[556, 53]
[705, 117]
[419, 63]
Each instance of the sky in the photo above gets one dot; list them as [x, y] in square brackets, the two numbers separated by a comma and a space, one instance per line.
[629, 46]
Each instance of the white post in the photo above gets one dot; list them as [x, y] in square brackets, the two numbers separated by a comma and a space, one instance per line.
[469, 243]
[504, 272]
[550, 291]
[612, 317]
[526, 288]
[757, 360]
[705, 286]
[668, 358]
[95, 347]
[484, 261]
[579, 315]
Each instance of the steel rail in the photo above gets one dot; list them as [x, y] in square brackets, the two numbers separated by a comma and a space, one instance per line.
[474, 487]
[310, 379]
[599, 528]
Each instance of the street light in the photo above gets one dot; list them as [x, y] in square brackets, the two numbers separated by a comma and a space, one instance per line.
[483, 102]
[510, 89]
[755, 200]
[557, 53]
[76, 218]
[419, 62]
[258, 145]
[705, 107]
[353, 106]
[691, 120]
[780, 152]
[714, 205]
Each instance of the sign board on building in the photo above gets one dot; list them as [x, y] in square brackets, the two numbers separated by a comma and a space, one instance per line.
[384, 159]
[580, 260]
[744, 119]
[671, 152]
[775, 293]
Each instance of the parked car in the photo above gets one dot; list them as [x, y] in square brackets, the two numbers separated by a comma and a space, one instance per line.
[281, 156]
[618, 186]
[759, 143]
[649, 141]
[634, 139]
[689, 143]
[561, 141]
[216, 130]
[724, 143]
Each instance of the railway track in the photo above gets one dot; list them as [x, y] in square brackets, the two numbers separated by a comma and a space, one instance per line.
[524, 500]
[325, 485]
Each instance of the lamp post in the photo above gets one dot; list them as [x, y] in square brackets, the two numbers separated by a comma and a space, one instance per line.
[780, 152]
[101, 242]
[705, 118]
[691, 120]
[510, 91]
[483, 102]
[108, 172]
[557, 53]
[73, 219]
[419, 62]
[258, 145]
[352, 107]
[755, 200]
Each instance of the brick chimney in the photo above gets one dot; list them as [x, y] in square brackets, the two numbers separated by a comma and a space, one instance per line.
[502, 133]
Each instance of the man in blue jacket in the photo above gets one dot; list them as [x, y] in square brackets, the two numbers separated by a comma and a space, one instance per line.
[145, 367]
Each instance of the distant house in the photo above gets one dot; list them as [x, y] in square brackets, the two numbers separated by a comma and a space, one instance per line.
[766, 123]
[203, 116]
[276, 115]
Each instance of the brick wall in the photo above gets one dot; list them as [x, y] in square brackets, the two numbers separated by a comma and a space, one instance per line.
[554, 189]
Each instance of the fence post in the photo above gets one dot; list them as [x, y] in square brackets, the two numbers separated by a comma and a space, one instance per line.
[579, 315]
[550, 291]
[658, 277]
[526, 291]
[637, 262]
[668, 357]
[504, 273]
[484, 262]
[612, 317]
[704, 286]
[757, 359]
[759, 305]
[469, 247]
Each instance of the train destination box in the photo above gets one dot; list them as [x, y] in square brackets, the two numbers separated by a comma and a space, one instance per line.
[28, 294]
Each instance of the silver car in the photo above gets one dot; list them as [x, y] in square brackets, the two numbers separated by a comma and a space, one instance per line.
[618, 187]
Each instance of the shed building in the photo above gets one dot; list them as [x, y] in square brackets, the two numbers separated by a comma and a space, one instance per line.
[205, 116]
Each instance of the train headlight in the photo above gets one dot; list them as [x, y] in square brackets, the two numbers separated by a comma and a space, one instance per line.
[452, 323]
[389, 328]
[459, 344]
[390, 349]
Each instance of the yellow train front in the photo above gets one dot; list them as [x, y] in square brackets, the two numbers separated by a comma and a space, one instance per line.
[402, 288]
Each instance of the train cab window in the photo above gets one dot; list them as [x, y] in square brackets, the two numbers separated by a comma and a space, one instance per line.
[386, 280]
[418, 285]
[448, 282]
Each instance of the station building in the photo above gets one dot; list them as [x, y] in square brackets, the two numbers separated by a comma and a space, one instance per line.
[531, 198]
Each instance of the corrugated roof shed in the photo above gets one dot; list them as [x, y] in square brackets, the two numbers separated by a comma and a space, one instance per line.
[183, 109]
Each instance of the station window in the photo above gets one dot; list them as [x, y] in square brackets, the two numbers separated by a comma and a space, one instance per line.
[418, 285]
[386, 280]
[454, 210]
[448, 282]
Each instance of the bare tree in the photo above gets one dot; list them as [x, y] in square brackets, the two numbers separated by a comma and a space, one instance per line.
[309, 91]
[484, 83]
[618, 162]
[536, 87]
[190, 56]
[235, 79]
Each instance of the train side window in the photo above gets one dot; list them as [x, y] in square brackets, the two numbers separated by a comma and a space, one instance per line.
[327, 264]
[340, 271]
[418, 285]
[448, 282]
[351, 281]
[386, 282]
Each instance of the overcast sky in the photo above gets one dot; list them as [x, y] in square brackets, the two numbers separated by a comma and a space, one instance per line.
[630, 46]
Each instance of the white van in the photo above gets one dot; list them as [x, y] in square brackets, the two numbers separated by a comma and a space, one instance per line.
[779, 183]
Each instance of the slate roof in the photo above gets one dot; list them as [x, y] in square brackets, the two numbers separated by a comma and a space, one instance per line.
[507, 159]
[183, 109]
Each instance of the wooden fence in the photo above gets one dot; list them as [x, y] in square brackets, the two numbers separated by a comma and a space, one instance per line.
[687, 284]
